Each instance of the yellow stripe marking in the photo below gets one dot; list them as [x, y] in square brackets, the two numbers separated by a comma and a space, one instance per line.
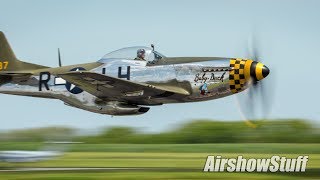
[247, 69]
[259, 71]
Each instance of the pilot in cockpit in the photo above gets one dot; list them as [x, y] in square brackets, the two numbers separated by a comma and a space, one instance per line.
[141, 54]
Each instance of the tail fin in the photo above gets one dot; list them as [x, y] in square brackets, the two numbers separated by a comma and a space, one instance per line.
[9, 62]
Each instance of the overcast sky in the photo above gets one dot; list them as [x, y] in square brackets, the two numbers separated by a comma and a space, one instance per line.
[287, 33]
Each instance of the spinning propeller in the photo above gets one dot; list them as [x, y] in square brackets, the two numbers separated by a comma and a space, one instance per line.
[255, 102]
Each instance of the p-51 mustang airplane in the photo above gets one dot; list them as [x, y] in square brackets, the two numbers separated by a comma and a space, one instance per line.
[129, 80]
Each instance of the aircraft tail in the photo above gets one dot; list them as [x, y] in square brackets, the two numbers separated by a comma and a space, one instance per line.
[8, 60]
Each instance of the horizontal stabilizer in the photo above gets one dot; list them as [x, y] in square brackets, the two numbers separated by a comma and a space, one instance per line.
[15, 73]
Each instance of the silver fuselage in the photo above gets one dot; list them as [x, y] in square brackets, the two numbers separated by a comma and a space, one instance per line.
[189, 75]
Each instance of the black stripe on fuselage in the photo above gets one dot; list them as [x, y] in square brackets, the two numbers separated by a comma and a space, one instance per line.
[253, 70]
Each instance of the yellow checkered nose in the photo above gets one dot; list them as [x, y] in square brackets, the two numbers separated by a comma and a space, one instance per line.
[243, 70]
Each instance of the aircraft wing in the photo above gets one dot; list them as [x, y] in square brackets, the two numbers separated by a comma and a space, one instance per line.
[103, 86]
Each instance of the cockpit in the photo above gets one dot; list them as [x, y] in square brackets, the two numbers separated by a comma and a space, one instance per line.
[138, 53]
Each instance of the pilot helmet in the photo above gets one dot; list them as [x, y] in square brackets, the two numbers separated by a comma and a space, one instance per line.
[141, 52]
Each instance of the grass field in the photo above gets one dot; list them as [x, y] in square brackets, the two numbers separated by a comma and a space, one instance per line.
[160, 161]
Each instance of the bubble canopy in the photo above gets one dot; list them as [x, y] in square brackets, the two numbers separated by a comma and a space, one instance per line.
[130, 53]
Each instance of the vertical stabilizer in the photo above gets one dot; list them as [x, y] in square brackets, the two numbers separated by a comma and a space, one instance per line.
[8, 60]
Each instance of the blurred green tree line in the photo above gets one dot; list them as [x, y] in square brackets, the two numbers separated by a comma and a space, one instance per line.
[206, 131]
[199, 131]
